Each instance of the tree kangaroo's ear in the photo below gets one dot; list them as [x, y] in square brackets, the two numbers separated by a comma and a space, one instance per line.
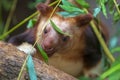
[44, 9]
[83, 19]
[27, 36]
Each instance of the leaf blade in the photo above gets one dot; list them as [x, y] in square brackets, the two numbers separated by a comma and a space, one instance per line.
[58, 29]
[96, 11]
[30, 67]
[43, 53]
[83, 3]
[71, 9]
[31, 23]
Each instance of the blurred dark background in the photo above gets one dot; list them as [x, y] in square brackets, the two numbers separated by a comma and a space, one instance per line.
[21, 12]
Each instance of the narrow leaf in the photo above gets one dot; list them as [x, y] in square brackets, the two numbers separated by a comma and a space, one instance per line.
[30, 67]
[43, 53]
[110, 71]
[67, 3]
[116, 49]
[67, 14]
[116, 17]
[102, 5]
[111, 6]
[113, 42]
[104, 10]
[31, 23]
[58, 29]
[96, 11]
[115, 75]
[83, 3]
[71, 9]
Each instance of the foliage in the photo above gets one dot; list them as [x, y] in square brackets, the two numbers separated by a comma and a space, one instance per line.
[31, 23]
[6, 5]
[57, 29]
[113, 6]
[30, 68]
[70, 10]
[43, 53]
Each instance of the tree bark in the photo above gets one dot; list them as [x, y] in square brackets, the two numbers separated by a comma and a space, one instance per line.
[11, 60]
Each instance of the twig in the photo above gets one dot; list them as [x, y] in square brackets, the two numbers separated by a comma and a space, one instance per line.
[23, 66]
[116, 5]
[10, 15]
[0, 11]
[1, 22]
[18, 25]
[102, 42]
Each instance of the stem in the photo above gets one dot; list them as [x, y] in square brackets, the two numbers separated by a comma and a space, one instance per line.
[105, 48]
[110, 71]
[102, 42]
[53, 3]
[18, 25]
[116, 5]
[10, 15]
[0, 12]
[21, 71]
[1, 24]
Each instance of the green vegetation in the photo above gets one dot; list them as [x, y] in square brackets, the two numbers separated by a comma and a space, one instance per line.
[106, 7]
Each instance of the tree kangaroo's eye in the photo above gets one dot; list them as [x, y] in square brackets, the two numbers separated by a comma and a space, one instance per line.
[65, 38]
[45, 31]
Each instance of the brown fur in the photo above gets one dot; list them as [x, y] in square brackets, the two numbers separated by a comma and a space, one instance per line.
[78, 54]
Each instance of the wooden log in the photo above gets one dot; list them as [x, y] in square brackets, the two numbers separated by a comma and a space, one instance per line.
[11, 60]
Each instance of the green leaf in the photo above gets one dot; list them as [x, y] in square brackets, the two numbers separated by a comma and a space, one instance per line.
[67, 14]
[71, 9]
[111, 6]
[116, 17]
[110, 71]
[102, 6]
[115, 67]
[30, 67]
[104, 10]
[67, 3]
[31, 23]
[116, 49]
[115, 75]
[57, 29]
[43, 53]
[102, 2]
[96, 11]
[83, 3]
[113, 42]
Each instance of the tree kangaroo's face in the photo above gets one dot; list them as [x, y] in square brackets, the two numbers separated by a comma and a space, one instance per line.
[52, 41]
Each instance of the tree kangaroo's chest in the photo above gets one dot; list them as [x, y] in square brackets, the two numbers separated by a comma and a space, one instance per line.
[69, 66]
